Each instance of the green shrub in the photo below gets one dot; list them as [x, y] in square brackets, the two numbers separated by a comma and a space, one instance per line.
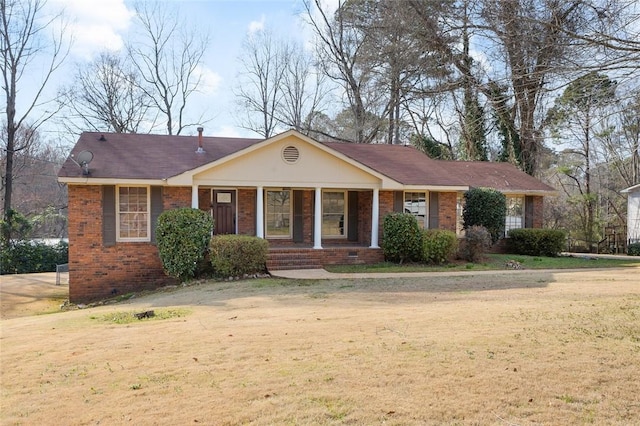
[438, 245]
[477, 240]
[536, 242]
[401, 238]
[183, 237]
[237, 255]
[26, 257]
[633, 249]
[485, 207]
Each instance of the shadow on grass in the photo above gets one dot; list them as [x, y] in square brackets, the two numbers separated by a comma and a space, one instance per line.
[218, 293]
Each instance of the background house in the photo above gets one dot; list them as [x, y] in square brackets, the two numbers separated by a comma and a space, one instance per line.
[633, 213]
[316, 203]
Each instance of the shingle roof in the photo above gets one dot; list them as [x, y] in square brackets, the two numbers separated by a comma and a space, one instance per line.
[144, 156]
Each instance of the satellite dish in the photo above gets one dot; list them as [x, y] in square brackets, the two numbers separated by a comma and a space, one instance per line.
[84, 157]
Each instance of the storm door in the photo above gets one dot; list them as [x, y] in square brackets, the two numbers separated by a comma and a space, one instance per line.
[224, 211]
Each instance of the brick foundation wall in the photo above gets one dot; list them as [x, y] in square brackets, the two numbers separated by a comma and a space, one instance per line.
[97, 272]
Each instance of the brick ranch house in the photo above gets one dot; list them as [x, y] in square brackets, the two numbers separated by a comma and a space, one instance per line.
[317, 203]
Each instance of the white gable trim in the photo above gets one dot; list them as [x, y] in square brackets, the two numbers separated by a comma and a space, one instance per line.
[187, 178]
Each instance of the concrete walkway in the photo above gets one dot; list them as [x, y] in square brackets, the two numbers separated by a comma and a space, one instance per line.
[321, 274]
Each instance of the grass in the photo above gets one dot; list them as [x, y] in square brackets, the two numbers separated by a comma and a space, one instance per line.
[496, 262]
[486, 349]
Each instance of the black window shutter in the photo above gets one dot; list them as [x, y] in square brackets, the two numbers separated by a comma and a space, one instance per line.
[398, 202]
[528, 212]
[298, 216]
[108, 215]
[156, 209]
[352, 222]
[434, 208]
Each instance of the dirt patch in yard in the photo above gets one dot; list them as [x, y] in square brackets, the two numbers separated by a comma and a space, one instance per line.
[519, 348]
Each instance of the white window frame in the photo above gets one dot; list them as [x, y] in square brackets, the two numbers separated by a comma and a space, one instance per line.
[120, 238]
[509, 223]
[266, 213]
[345, 214]
[425, 220]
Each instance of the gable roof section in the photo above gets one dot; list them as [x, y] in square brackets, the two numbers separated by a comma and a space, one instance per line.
[411, 166]
[263, 145]
[631, 189]
[504, 177]
[147, 157]
[404, 164]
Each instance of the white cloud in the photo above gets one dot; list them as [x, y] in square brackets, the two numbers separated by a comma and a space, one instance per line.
[95, 25]
[209, 80]
[255, 26]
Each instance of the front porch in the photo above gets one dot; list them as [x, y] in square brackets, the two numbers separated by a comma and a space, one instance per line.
[306, 257]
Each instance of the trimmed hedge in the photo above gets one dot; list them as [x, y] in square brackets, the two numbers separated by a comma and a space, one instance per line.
[536, 242]
[238, 255]
[438, 245]
[485, 207]
[183, 237]
[26, 257]
[633, 249]
[401, 238]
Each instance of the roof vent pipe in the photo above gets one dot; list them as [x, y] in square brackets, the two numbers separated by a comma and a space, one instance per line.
[200, 150]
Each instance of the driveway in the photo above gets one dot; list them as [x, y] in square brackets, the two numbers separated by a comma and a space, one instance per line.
[29, 294]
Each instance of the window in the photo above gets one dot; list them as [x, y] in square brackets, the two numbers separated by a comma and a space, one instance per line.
[133, 213]
[278, 214]
[333, 214]
[515, 214]
[415, 203]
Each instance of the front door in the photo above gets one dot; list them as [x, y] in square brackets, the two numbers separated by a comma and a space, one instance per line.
[224, 211]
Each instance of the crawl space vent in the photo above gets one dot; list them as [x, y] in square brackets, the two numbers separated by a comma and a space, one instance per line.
[290, 154]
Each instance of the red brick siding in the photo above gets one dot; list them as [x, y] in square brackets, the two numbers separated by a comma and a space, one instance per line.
[204, 199]
[176, 197]
[247, 211]
[538, 211]
[447, 202]
[95, 271]
[365, 199]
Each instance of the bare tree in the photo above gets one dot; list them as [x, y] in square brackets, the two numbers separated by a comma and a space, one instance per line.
[260, 84]
[23, 41]
[579, 118]
[168, 55]
[106, 95]
[278, 86]
[534, 47]
[340, 47]
[304, 90]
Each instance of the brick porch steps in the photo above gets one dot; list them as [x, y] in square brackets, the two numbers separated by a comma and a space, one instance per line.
[286, 258]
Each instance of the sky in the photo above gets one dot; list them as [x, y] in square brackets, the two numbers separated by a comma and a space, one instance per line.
[98, 25]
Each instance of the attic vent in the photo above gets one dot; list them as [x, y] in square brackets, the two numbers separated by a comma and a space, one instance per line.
[290, 154]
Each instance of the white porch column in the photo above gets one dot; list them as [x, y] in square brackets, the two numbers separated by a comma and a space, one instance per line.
[260, 212]
[375, 218]
[317, 220]
[194, 196]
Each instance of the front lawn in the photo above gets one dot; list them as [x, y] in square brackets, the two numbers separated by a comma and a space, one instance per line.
[497, 262]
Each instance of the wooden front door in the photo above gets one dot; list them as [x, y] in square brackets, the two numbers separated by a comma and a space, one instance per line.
[224, 211]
